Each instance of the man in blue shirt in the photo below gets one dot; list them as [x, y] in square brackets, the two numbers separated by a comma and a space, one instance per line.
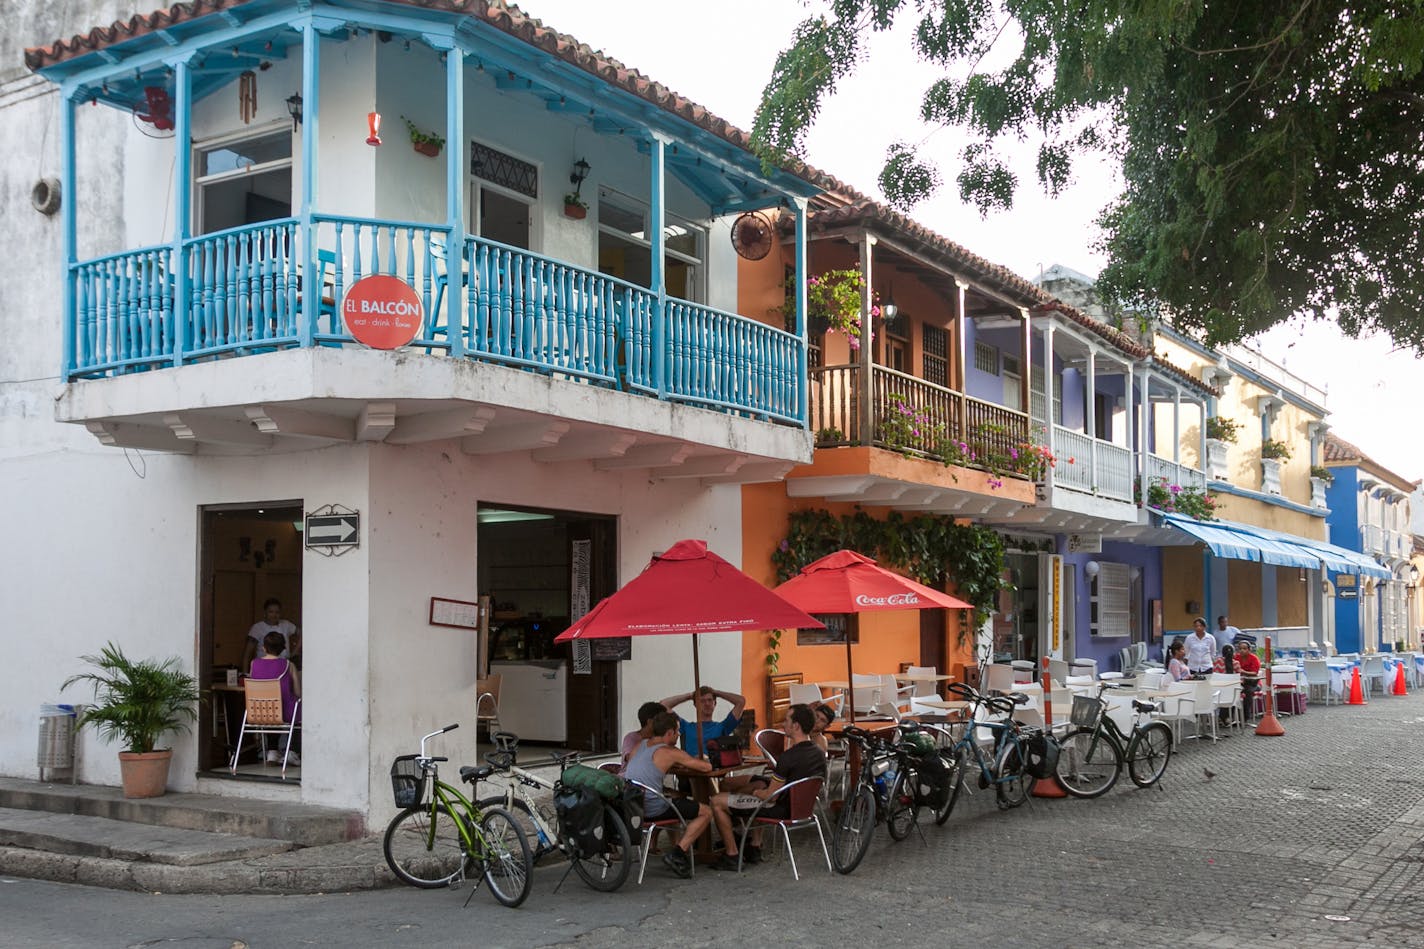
[705, 702]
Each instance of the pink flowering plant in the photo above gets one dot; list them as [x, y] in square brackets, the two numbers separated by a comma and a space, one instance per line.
[909, 430]
[1176, 499]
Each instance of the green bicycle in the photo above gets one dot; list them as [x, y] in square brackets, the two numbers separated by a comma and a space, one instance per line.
[441, 841]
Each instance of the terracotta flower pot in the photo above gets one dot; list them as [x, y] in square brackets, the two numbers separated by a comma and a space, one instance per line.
[576, 211]
[145, 773]
[427, 148]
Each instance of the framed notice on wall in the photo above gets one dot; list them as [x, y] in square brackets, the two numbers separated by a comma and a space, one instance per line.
[460, 614]
[1156, 608]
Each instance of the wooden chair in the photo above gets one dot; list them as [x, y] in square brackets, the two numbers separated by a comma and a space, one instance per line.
[263, 716]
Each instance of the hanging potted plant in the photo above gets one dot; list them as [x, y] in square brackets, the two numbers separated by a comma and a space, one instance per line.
[575, 207]
[138, 703]
[427, 143]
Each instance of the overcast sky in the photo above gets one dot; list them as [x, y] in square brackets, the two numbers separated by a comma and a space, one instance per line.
[720, 54]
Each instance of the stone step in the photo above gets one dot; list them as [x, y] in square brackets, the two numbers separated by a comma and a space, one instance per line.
[303, 824]
[78, 835]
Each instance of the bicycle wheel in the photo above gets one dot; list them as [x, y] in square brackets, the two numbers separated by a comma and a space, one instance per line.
[851, 838]
[508, 865]
[1148, 754]
[423, 847]
[1088, 763]
[901, 811]
[1012, 784]
[539, 841]
[608, 869]
[953, 760]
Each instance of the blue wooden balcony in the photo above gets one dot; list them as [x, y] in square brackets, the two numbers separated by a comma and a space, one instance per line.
[277, 285]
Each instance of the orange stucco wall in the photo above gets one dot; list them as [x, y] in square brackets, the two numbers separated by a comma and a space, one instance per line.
[886, 639]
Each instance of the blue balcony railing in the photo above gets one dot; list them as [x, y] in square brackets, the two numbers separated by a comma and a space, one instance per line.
[243, 293]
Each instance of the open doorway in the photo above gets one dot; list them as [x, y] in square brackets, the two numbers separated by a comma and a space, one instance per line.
[249, 556]
[541, 568]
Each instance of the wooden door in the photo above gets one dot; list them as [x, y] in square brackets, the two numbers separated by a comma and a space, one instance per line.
[592, 697]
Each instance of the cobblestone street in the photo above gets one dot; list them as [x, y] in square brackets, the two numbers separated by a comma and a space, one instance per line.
[1312, 839]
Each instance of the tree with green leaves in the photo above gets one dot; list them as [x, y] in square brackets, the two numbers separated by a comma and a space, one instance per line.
[1271, 150]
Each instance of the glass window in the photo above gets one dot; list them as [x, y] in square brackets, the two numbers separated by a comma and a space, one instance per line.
[243, 181]
[625, 252]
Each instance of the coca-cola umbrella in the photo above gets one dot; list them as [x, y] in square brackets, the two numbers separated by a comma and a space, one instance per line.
[688, 590]
[848, 582]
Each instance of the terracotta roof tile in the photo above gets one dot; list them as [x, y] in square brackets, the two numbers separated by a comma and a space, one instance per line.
[1337, 451]
[862, 211]
[499, 14]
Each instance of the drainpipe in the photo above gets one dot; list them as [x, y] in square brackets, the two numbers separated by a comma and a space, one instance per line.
[67, 202]
[1048, 383]
[867, 371]
[802, 380]
[658, 239]
[311, 287]
[455, 262]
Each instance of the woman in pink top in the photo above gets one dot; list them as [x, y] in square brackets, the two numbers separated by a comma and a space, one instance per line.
[1176, 665]
[273, 666]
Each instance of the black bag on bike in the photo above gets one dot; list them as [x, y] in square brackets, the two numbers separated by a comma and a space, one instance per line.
[580, 813]
[1041, 755]
[628, 807]
[932, 777]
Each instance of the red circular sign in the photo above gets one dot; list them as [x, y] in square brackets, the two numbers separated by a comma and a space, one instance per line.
[382, 311]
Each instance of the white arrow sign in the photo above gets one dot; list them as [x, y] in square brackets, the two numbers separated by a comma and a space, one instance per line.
[333, 530]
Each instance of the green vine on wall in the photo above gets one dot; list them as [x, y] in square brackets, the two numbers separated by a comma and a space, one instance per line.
[930, 548]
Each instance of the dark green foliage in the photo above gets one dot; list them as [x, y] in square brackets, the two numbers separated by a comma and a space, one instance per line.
[932, 549]
[1271, 152]
[137, 702]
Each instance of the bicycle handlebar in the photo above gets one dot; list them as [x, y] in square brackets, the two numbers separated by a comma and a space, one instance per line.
[439, 731]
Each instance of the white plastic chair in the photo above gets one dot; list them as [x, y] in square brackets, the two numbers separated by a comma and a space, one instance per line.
[1317, 676]
[1058, 671]
[1000, 678]
[1283, 681]
[1023, 670]
[1084, 667]
[892, 691]
[1228, 696]
[803, 694]
[1177, 706]
[1372, 670]
[922, 688]
[1204, 697]
[1150, 681]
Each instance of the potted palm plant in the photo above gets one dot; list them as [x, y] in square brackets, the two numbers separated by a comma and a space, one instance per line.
[138, 703]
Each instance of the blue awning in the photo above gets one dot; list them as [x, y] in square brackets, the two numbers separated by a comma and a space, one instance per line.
[1237, 541]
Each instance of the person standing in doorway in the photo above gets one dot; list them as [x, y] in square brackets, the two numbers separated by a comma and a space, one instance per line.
[272, 622]
[1201, 650]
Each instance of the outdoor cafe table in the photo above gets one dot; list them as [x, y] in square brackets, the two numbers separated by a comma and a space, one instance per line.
[704, 786]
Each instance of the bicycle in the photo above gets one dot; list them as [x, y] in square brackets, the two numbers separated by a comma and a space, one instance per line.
[606, 870]
[1094, 749]
[887, 789]
[1004, 770]
[440, 841]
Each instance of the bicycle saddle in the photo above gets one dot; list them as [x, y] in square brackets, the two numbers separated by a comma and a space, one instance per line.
[1142, 706]
[472, 774]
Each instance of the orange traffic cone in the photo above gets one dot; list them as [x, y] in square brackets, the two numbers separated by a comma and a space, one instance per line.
[1399, 687]
[1357, 695]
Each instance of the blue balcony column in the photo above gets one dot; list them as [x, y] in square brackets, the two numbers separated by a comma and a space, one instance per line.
[182, 202]
[1091, 419]
[657, 181]
[1133, 449]
[311, 287]
[67, 202]
[455, 264]
[802, 370]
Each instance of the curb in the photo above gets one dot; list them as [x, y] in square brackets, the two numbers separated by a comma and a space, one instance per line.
[237, 877]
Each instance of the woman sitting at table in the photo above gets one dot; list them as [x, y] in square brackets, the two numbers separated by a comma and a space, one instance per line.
[273, 666]
[1225, 664]
[1176, 663]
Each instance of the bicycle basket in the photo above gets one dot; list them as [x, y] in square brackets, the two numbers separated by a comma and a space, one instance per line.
[407, 782]
[1086, 711]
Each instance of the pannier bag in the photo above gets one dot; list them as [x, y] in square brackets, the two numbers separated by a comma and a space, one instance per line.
[580, 812]
[932, 782]
[723, 752]
[1041, 755]
[605, 784]
[628, 807]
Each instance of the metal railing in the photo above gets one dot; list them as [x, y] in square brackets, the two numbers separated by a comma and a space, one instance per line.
[1175, 473]
[1098, 467]
[243, 292]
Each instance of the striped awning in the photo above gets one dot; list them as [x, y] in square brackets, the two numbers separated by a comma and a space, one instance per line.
[1237, 541]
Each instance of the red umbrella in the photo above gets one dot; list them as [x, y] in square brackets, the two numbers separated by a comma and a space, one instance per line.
[688, 590]
[848, 582]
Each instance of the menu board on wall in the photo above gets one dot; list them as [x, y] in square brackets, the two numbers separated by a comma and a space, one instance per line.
[617, 649]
